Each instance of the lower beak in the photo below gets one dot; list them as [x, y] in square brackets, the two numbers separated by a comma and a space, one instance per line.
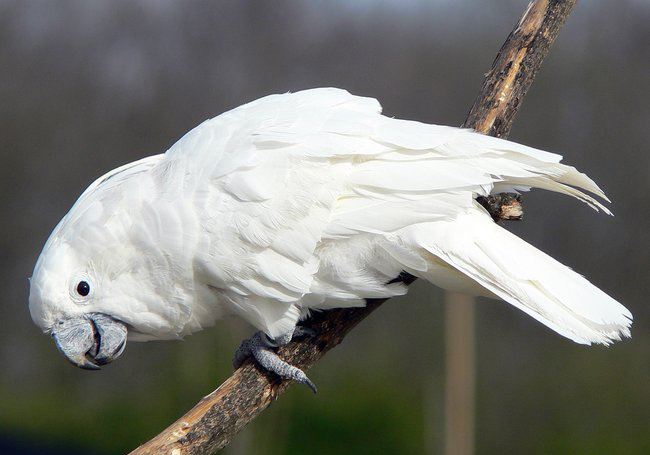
[91, 340]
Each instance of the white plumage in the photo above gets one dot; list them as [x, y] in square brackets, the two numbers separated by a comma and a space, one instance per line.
[308, 201]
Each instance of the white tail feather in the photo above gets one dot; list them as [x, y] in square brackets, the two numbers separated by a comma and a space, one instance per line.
[524, 276]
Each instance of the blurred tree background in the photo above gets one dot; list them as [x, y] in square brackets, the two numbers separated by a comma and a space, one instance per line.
[88, 85]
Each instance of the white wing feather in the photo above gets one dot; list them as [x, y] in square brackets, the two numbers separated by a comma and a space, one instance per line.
[315, 200]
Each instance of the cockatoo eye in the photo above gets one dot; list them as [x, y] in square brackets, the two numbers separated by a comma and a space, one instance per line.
[83, 288]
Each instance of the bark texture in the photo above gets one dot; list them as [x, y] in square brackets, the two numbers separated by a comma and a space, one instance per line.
[516, 65]
[212, 423]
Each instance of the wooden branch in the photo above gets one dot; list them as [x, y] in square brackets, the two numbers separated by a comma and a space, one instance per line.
[212, 423]
[516, 65]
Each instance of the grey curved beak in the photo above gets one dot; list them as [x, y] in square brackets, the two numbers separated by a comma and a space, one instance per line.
[91, 340]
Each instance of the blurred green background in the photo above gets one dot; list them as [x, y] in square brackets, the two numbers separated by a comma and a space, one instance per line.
[88, 85]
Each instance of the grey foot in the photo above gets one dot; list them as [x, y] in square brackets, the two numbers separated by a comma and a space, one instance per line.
[260, 347]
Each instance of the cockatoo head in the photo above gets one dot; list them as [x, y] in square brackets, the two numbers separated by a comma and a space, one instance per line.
[98, 277]
[67, 299]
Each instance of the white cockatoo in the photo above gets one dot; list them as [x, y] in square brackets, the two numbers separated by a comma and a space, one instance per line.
[299, 202]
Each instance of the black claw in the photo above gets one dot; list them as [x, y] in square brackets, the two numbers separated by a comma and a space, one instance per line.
[302, 332]
[310, 384]
[301, 377]
[242, 353]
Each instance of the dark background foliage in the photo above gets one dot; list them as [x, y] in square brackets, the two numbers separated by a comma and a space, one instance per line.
[88, 85]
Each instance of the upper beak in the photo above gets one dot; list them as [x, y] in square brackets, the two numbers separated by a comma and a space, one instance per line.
[91, 340]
